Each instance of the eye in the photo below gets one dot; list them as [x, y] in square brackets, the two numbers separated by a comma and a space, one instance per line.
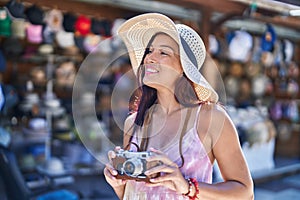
[164, 53]
[149, 50]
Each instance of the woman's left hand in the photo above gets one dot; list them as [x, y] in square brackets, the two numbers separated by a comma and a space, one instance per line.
[171, 176]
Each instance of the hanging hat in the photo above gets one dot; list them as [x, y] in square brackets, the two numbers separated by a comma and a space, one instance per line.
[69, 20]
[5, 23]
[35, 15]
[83, 25]
[116, 41]
[34, 33]
[240, 46]
[54, 20]
[90, 42]
[214, 46]
[101, 27]
[268, 39]
[137, 32]
[16, 9]
[259, 83]
[65, 39]
[18, 27]
[48, 35]
[288, 50]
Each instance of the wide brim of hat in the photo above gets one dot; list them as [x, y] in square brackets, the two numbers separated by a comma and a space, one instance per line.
[136, 34]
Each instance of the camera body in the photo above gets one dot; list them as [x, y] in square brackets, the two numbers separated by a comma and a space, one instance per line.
[132, 165]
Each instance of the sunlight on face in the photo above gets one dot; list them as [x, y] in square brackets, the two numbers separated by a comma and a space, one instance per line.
[162, 63]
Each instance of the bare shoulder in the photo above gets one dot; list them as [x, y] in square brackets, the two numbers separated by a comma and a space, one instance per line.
[214, 112]
[215, 121]
[221, 128]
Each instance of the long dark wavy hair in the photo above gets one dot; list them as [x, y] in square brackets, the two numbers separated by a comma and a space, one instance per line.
[147, 97]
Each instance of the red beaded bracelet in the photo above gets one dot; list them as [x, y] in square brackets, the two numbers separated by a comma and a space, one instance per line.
[192, 181]
[195, 182]
[190, 187]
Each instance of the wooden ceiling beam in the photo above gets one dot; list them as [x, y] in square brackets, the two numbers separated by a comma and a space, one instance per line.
[88, 9]
[285, 21]
[223, 6]
[236, 10]
[220, 6]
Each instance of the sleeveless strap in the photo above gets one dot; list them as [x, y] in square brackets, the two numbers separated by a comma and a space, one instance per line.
[187, 117]
[197, 116]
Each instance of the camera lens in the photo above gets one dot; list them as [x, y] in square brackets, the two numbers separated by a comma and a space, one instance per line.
[133, 167]
[129, 168]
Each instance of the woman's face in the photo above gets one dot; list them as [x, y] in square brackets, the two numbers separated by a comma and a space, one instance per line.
[162, 63]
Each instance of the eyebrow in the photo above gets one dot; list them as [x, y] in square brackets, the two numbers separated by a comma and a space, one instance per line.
[166, 46]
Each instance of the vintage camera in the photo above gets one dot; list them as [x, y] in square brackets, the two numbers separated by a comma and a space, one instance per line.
[132, 165]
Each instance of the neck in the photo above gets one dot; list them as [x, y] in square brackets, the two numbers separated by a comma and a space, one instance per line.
[167, 102]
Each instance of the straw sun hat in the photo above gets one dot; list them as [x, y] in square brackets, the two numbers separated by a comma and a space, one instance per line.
[137, 32]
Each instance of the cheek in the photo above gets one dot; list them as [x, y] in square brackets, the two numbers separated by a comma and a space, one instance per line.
[175, 71]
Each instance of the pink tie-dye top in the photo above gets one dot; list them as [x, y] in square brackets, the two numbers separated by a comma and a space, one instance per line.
[196, 165]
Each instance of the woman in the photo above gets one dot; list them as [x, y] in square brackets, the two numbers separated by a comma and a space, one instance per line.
[178, 119]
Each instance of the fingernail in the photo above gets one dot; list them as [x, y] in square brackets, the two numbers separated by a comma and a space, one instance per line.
[114, 172]
[152, 149]
[152, 179]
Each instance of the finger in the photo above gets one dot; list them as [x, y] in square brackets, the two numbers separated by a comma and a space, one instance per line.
[111, 154]
[117, 148]
[153, 184]
[111, 170]
[108, 175]
[160, 168]
[155, 150]
[163, 179]
[167, 184]
[162, 158]
[113, 181]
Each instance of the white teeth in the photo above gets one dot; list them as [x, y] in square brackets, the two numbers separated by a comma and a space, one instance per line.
[151, 70]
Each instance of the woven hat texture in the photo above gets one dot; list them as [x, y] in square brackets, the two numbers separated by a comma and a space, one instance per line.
[137, 32]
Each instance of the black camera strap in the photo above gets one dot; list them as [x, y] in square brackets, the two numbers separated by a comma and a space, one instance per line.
[183, 130]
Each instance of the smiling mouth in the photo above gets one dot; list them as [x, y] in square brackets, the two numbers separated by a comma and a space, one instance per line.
[151, 70]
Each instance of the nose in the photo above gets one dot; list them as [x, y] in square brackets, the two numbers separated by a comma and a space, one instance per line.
[151, 57]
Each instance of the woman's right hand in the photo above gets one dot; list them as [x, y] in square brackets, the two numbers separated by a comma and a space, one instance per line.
[110, 173]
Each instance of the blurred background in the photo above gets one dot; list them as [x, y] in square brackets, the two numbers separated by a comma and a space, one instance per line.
[66, 88]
